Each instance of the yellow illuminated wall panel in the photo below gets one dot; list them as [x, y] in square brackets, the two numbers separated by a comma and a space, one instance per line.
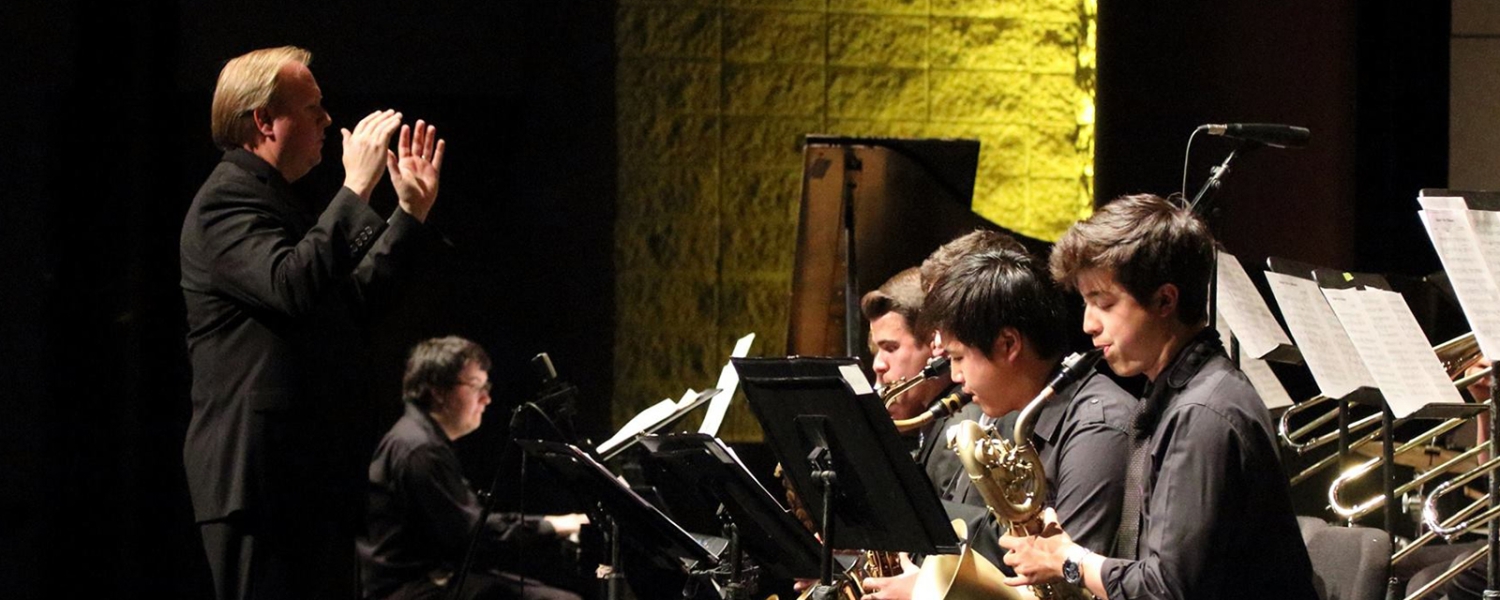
[713, 97]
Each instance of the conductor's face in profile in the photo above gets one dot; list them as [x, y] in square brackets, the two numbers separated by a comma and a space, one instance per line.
[293, 123]
[460, 409]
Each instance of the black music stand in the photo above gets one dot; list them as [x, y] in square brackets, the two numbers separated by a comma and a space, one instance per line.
[631, 518]
[758, 525]
[830, 431]
[675, 417]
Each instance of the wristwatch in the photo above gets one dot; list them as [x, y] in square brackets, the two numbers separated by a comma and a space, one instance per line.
[1072, 568]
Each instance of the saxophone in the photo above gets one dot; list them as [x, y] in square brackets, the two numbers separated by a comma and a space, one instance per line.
[1008, 473]
[876, 563]
[872, 563]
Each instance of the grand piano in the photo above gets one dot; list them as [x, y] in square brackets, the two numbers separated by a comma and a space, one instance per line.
[872, 207]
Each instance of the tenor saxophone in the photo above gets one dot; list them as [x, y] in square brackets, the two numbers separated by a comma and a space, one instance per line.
[1008, 473]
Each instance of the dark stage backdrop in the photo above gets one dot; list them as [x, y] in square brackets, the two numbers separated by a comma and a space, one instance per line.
[1369, 78]
[108, 105]
[107, 140]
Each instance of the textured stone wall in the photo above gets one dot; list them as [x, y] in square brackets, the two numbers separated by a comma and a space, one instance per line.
[713, 97]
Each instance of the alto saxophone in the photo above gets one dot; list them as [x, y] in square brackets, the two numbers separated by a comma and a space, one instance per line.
[1008, 473]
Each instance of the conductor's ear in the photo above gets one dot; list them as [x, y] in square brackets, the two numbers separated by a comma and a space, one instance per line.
[264, 122]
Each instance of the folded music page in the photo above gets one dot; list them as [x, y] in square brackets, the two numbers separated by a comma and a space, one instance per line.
[1330, 356]
[729, 381]
[1391, 344]
[643, 420]
[1242, 305]
[1258, 371]
[1468, 243]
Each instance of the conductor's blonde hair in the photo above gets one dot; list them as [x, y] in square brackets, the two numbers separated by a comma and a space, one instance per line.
[249, 82]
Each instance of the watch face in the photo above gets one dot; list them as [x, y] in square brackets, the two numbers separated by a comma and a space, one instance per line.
[1071, 573]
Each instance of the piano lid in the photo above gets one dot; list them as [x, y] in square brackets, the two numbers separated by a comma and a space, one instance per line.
[910, 196]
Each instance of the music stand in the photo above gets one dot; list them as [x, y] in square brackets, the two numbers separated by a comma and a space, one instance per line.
[666, 421]
[763, 528]
[825, 424]
[644, 527]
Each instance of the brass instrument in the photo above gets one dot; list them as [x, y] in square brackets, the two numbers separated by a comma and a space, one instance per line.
[940, 408]
[1445, 528]
[936, 366]
[1465, 520]
[965, 576]
[873, 563]
[1374, 502]
[1008, 473]
[1457, 355]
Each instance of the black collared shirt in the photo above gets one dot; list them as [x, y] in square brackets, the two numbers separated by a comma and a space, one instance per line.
[940, 463]
[1082, 438]
[422, 510]
[1217, 520]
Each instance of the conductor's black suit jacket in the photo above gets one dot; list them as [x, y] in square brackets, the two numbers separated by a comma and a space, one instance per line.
[276, 297]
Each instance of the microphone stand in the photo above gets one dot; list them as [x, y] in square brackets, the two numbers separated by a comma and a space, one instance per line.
[1203, 206]
[486, 505]
[1210, 187]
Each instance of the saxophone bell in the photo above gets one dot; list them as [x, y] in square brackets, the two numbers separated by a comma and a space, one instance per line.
[1008, 473]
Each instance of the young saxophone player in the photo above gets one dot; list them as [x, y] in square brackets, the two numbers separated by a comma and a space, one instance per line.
[1003, 326]
[1213, 518]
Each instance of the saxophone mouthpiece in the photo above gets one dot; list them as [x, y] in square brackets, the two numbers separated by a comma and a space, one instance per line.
[935, 367]
[949, 404]
[1075, 367]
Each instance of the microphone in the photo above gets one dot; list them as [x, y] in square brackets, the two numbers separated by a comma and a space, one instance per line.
[542, 364]
[1270, 134]
[556, 395]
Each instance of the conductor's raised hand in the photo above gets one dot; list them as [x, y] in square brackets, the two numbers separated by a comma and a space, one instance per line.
[414, 168]
[365, 147]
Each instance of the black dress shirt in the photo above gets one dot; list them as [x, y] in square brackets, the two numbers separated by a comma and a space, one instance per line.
[1082, 438]
[421, 511]
[939, 462]
[1217, 520]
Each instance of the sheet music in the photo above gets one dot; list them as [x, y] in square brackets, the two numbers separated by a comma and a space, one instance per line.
[1326, 348]
[855, 377]
[1257, 370]
[1468, 260]
[1241, 304]
[1486, 225]
[646, 418]
[729, 381]
[1393, 348]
